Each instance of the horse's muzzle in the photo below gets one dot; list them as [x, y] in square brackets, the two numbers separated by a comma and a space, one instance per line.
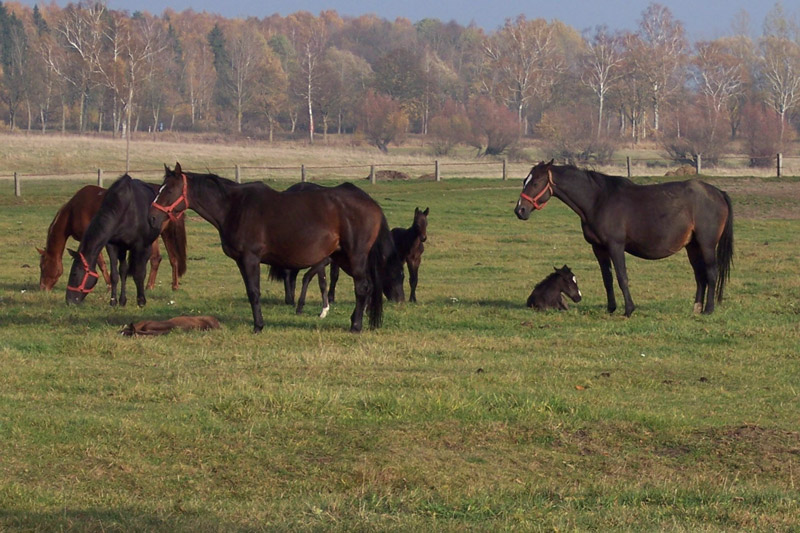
[521, 212]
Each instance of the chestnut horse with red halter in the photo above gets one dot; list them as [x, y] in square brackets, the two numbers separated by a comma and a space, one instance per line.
[121, 225]
[647, 221]
[72, 220]
[289, 230]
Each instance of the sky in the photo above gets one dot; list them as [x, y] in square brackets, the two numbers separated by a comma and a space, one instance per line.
[702, 19]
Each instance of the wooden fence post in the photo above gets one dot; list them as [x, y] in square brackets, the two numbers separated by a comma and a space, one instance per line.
[99, 177]
[372, 174]
[780, 164]
[436, 174]
[699, 164]
[504, 169]
[17, 186]
[628, 163]
[302, 173]
[238, 174]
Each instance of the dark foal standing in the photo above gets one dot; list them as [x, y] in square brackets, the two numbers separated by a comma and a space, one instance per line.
[548, 293]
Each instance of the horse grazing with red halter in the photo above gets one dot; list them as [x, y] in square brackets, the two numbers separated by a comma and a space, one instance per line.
[647, 221]
[121, 225]
[290, 230]
[72, 220]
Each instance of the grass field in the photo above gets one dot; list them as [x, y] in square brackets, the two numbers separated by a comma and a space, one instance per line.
[466, 411]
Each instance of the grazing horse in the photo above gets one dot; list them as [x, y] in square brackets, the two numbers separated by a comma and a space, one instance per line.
[293, 230]
[121, 225]
[548, 293]
[72, 220]
[647, 221]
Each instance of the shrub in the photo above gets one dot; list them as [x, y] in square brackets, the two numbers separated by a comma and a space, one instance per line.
[494, 127]
[569, 135]
[383, 121]
[762, 134]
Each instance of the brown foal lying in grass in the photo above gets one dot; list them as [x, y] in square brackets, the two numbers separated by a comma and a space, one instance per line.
[162, 327]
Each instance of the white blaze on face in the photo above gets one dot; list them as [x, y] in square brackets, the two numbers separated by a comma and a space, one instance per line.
[158, 195]
[575, 281]
[525, 183]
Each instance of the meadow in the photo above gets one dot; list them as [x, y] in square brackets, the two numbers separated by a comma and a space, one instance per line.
[465, 411]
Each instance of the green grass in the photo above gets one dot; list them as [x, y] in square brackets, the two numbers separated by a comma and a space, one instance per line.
[466, 411]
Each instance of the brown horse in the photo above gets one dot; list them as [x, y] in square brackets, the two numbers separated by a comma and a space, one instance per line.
[293, 230]
[648, 221]
[548, 293]
[72, 220]
[162, 327]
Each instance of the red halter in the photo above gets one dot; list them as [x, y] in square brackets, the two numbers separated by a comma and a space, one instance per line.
[86, 275]
[535, 200]
[171, 208]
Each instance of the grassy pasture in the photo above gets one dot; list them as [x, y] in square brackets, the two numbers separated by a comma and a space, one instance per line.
[465, 411]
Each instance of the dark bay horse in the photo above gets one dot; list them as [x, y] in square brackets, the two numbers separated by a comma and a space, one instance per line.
[408, 242]
[548, 293]
[121, 225]
[647, 221]
[293, 230]
[73, 218]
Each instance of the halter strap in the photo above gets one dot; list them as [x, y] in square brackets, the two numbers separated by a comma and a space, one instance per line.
[535, 199]
[87, 273]
[169, 210]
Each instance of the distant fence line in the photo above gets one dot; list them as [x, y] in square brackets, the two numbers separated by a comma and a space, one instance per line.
[496, 169]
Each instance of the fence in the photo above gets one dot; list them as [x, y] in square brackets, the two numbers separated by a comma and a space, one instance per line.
[437, 170]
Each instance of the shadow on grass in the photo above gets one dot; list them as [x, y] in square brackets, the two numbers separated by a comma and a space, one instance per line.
[108, 520]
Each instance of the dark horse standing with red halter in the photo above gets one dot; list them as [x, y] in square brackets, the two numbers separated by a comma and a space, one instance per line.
[648, 221]
[258, 224]
[121, 224]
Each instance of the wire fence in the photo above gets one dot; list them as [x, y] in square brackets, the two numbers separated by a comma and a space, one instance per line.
[729, 166]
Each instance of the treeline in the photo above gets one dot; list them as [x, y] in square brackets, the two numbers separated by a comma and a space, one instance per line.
[89, 68]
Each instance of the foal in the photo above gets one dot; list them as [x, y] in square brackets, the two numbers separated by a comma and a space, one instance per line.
[409, 246]
[547, 294]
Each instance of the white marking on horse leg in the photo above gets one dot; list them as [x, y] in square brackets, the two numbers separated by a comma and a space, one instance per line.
[698, 308]
[324, 312]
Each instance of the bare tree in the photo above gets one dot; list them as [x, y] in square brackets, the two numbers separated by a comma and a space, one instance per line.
[602, 67]
[719, 77]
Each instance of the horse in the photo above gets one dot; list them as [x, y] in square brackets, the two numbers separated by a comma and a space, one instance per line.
[162, 327]
[647, 221]
[408, 242]
[290, 230]
[121, 226]
[548, 293]
[73, 218]
[392, 289]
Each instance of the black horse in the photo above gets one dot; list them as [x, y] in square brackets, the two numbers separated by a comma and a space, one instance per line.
[294, 230]
[548, 293]
[121, 225]
[648, 221]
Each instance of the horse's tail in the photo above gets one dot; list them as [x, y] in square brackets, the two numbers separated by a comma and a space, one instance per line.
[277, 273]
[725, 250]
[174, 236]
[375, 264]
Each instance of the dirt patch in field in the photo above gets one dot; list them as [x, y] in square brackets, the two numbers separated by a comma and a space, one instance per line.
[761, 199]
[390, 175]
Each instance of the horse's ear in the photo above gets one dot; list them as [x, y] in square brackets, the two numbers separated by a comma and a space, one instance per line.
[427, 209]
[178, 168]
[551, 162]
[416, 211]
[73, 253]
[166, 169]
[41, 252]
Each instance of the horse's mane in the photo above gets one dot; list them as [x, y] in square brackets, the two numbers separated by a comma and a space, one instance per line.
[600, 178]
[546, 281]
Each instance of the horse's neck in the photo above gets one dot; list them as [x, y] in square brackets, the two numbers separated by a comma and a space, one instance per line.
[57, 234]
[213, 202]
[576, 189]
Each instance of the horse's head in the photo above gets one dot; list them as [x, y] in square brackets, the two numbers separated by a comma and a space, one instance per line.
[49, 270]
[568, 283]
[82, 278]
[393, 280]
[421, 223]
[537, 188]
[172, 199]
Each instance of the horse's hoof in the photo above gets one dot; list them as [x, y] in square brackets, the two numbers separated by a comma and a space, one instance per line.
[299, 311]
[257, 329]
[324, 312]
[698, 308]
[113, 302]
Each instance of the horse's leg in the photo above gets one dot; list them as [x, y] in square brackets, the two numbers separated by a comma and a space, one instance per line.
[138, 266]
[323, 290]
[413, 270]
[712, 272]
[155, 260]
[363, 288]
[113, 260]
[124, 266]
[301, 302]
[172, 255]
[289, 285]
[332, 285]
[250, 268]
[101, 264]
[618, 260]
[608, 279]
[700, 275]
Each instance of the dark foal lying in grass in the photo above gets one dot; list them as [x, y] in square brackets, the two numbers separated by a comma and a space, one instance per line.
[547, 294]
